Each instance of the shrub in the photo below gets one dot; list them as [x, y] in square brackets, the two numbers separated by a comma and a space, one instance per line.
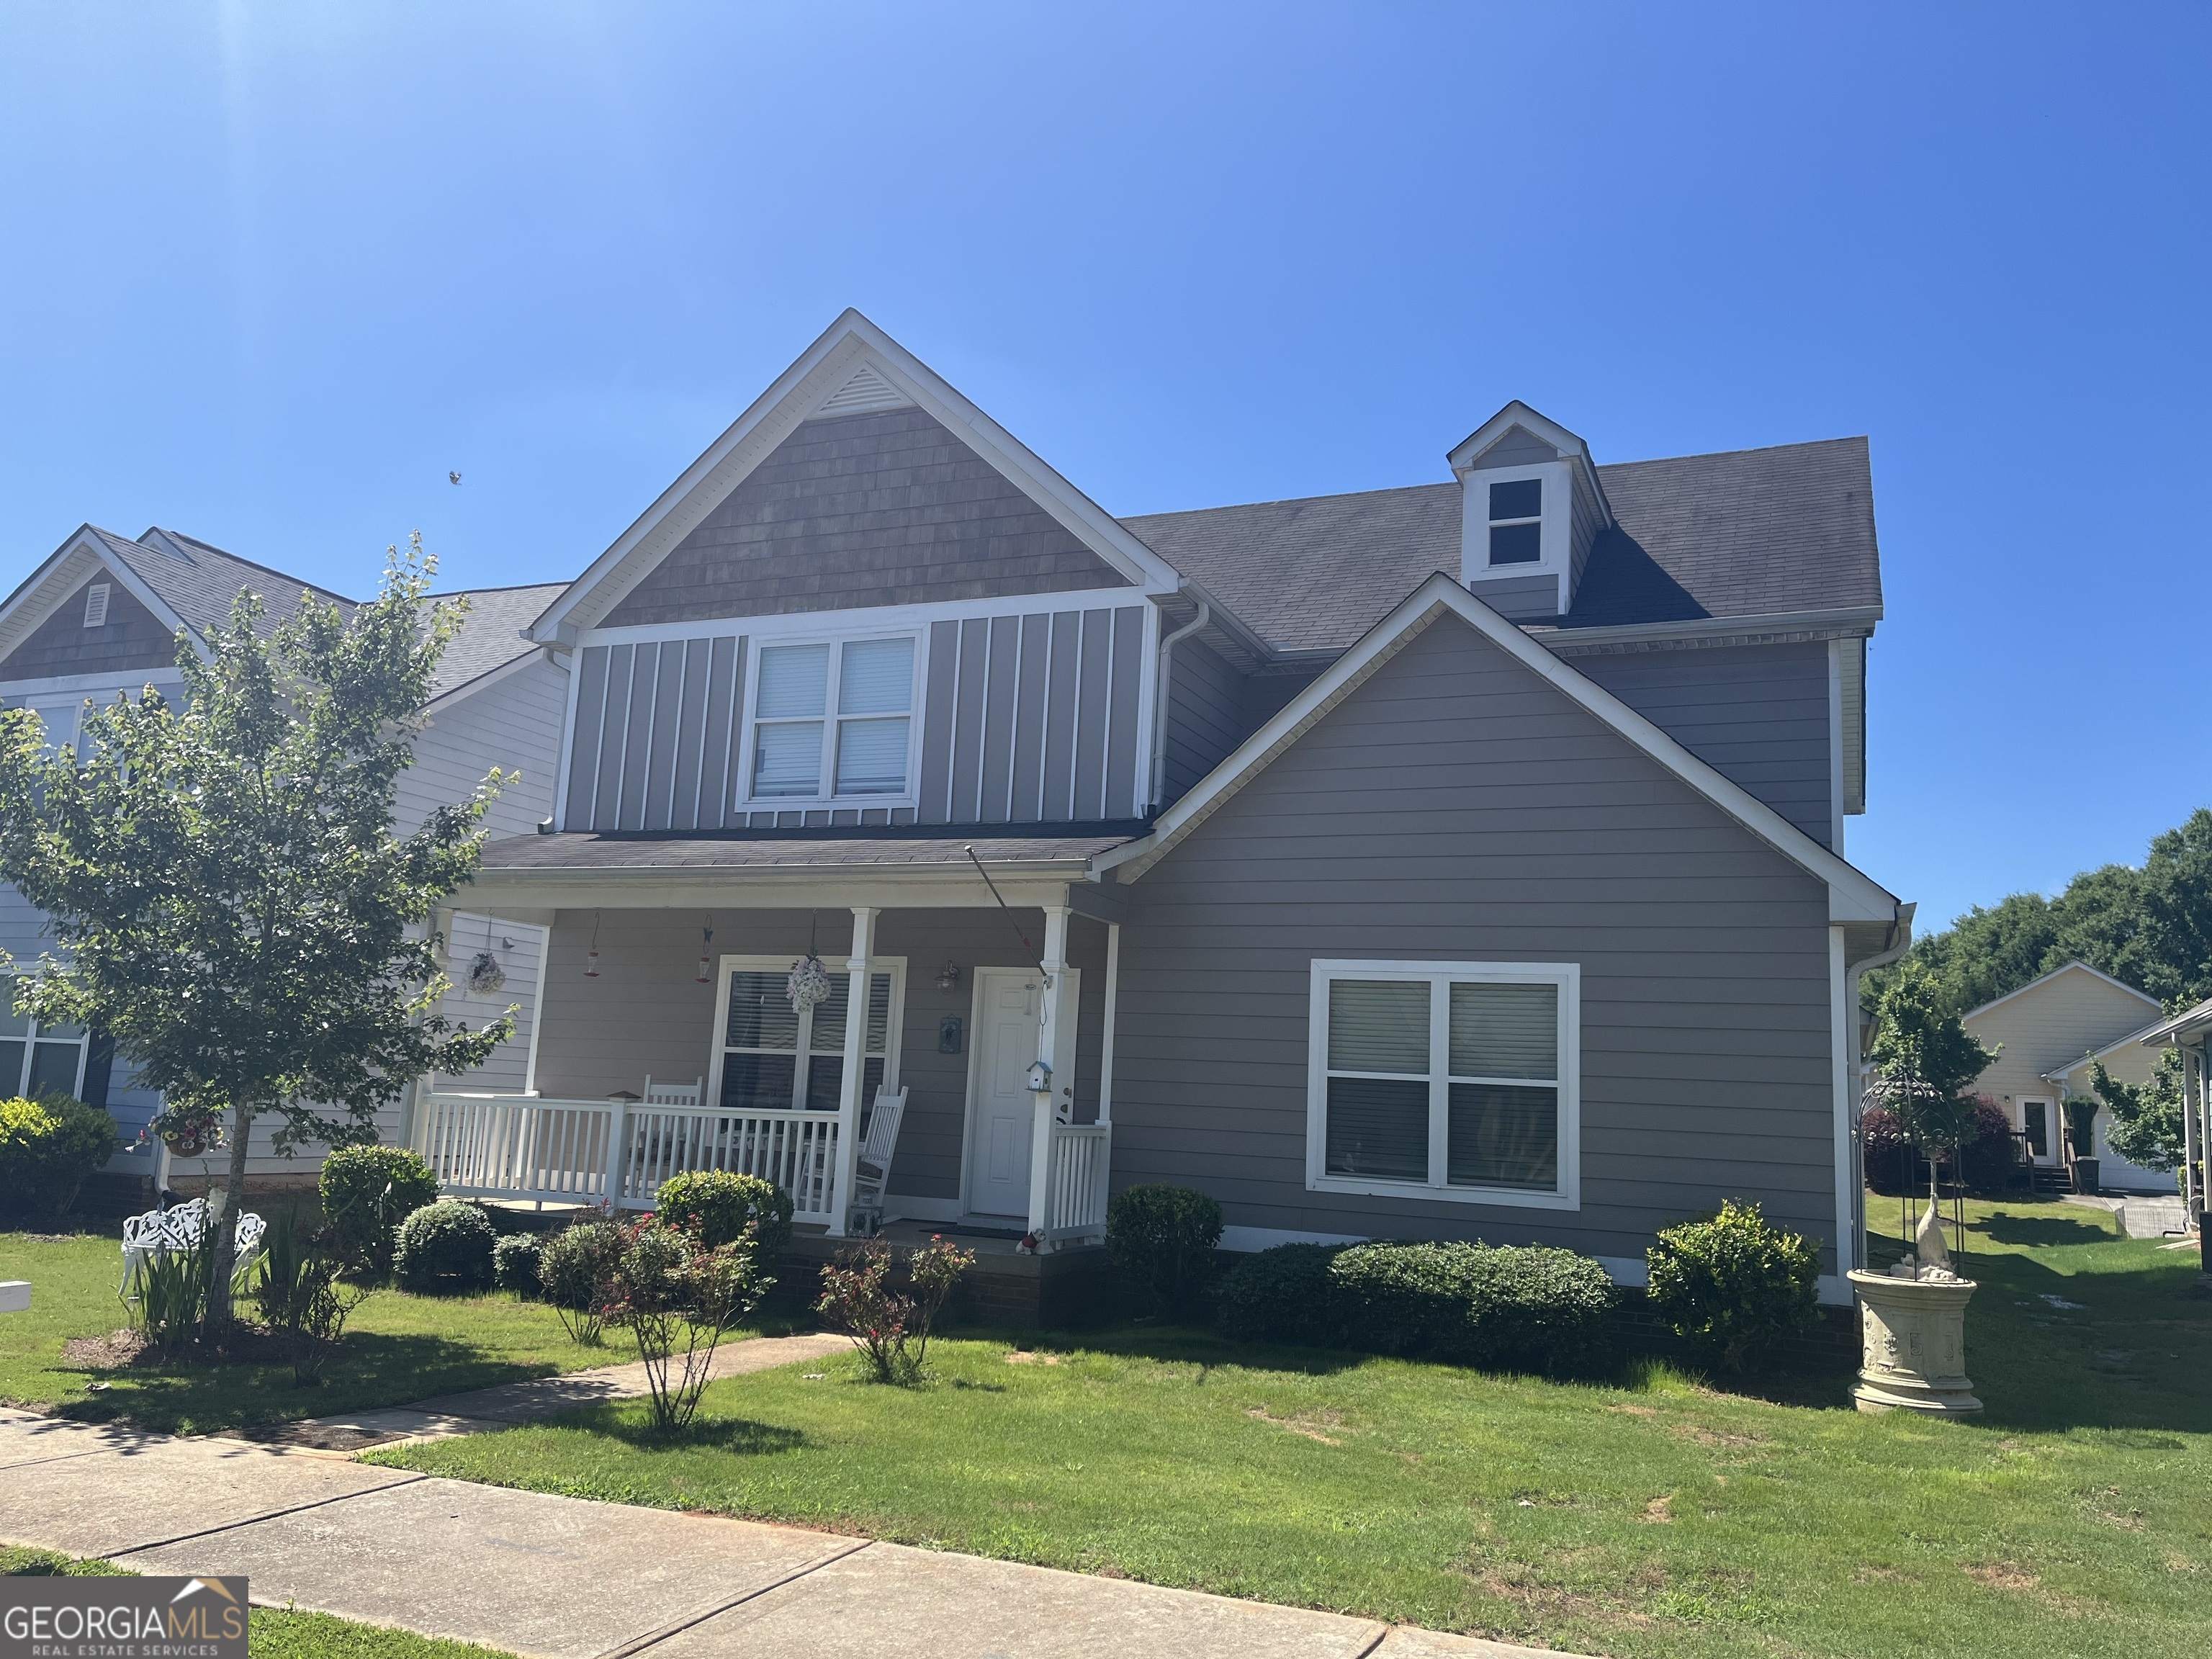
[1284, 1295]
[368, 1191]
[515, 1263]
[1893, 1165]
[716, 1206]
[677, 1296]
[47, 1147]
[1163, 1237]
[302, 1298]
[857, 1298]
[1731, 1286]
[573, 1269]
[446, 1246]
[1506, 1307]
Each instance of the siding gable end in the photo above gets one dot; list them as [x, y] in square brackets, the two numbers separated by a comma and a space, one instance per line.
[131, 639]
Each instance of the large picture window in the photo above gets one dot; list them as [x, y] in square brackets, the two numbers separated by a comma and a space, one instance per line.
[833, 720]
[1442, 1079]
[774, 1058]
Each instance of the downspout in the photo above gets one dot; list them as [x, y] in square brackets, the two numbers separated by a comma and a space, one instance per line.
[1160, 696]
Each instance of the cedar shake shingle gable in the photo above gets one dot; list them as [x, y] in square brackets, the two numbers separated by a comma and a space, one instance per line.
[1742, 533]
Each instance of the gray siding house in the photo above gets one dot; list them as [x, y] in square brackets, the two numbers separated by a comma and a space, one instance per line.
[1460, 861]
[100, 617]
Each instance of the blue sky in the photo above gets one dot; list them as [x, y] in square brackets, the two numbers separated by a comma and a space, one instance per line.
[272, 272]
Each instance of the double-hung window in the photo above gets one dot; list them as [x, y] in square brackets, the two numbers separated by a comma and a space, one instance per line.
[775, 1058]
[1445, 1079]
[833, 721]
[1516, 522]
[35, 1059]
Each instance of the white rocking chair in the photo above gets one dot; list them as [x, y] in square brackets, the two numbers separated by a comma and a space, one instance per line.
[182, 1227]
[871, 1166]
[672, 1094]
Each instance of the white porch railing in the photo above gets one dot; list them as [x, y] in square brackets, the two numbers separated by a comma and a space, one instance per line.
[593, 1151]
[1077, 1201]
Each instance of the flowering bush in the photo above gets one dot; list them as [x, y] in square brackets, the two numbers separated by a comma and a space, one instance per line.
[858, 1299]
[678, 1298]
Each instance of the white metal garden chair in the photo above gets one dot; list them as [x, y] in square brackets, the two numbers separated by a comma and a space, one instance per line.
[871, 1166]
[182, 1227]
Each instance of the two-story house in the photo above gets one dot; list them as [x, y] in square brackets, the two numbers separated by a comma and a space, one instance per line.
[1459, 860]
[100, 617]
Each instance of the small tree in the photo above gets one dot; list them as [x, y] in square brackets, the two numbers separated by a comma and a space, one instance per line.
[679, 1297]
[223, 877]
[1924, 1059]
[2148, 1119]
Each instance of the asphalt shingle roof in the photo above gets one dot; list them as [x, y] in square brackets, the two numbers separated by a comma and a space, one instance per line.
[491, 635]
[1743, 533]
[826, 847]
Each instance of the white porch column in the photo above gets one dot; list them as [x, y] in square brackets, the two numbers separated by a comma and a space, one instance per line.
[2192, 1104]
[856, 1044]
[1054, 1014]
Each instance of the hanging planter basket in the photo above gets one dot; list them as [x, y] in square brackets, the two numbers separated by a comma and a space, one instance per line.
[189, 1135]
[809, 983]
[486, 976]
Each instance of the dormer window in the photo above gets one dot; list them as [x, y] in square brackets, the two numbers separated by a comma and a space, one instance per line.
[1516, 522]
[833, 720]
[96, 605]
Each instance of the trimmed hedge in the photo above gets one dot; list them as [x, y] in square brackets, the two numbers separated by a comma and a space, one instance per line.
[1283, 1295]
[515, 1263]
[368, 1191]
[446, 1246]
[714, 1205]
[1164, 1236]
[47, 1148]
[1500, 1307]
[1731, 1286]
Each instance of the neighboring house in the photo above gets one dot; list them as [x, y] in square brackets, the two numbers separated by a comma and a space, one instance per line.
[2047, 1033]
[1462, 860]
[100, 617]
[2191, 1031]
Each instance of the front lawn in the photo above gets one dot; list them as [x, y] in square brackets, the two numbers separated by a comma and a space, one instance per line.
[399, 1348]
[1650, 1517]
[270, 1632]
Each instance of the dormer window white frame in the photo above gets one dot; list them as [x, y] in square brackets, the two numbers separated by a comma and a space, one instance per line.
[828, 718]
[1496, 503]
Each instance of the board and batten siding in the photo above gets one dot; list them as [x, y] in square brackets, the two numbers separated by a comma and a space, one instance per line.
[1458, 808]
[1031, 717]
[1756, 714]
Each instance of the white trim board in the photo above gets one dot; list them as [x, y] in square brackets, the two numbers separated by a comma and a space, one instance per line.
[850, 343]
[1852, 895]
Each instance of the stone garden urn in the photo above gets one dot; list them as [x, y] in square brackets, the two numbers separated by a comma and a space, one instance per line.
[1912, 1321]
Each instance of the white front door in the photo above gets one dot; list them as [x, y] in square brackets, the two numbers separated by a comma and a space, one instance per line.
[1001, 1111]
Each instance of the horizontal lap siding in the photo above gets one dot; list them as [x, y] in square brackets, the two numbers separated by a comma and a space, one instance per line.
[1756, 714]
[647, 1013]
[1458, 808]
[1205, 717]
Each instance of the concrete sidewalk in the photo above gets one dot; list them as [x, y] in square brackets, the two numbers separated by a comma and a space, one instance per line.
[568, 1579]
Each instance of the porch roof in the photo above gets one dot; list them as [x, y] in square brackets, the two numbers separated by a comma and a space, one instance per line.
[874, 849]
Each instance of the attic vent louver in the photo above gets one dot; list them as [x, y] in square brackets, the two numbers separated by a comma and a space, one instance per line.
[96, 605]
[865, 392]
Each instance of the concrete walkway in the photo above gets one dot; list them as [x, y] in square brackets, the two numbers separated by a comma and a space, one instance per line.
[564, 1578]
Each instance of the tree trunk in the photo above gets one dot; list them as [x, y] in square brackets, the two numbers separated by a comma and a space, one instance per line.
[225, 1237]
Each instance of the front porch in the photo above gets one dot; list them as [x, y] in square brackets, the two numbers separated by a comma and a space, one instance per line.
[664, 1043]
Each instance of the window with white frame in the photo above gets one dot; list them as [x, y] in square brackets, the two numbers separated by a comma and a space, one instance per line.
[775, 1058]
[35, 1059]
[1445, 1079]
[833, 720]
[1516, 522]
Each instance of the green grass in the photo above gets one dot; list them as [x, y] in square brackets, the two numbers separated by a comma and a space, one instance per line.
[270, 1632]
[1653, 1517]
[399, 1348]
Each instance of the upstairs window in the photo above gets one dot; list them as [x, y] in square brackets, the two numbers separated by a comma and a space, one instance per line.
[96, 605]
[1452, 1080]
[1516, 522]
[833, 720]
